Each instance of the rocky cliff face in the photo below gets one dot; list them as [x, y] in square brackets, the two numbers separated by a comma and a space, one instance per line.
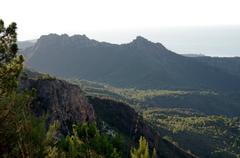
[60, 101]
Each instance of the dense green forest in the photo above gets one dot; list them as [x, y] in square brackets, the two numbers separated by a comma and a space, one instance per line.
[205, 135]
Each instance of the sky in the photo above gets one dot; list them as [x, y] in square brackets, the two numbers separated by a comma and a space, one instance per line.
[117, 21]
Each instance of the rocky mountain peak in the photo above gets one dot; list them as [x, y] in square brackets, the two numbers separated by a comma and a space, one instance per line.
[141, 40]
[79, 37]
[143, 43]
[65, 40]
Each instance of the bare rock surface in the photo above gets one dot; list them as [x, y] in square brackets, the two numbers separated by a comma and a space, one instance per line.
[60, 100]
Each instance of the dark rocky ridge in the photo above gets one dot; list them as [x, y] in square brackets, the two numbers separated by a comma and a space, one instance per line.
[60, 101]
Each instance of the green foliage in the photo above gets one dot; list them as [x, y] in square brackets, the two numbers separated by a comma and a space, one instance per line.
[154, 154]
[143, 150]
[86, 141]
[21, 133]
[50, 143]
[10, 62]
[185, 128]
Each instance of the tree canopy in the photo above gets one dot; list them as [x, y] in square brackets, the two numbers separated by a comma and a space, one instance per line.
[10, 63]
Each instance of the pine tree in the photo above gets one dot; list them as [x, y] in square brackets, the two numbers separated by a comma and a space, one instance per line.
[51, 149]
[154, 154]
[10, 63]
[142, 151]
[20, 132]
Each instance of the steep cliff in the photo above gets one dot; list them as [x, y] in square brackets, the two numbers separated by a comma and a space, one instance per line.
[60, 101]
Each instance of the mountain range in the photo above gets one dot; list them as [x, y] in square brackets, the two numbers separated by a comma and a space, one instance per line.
[139, 64]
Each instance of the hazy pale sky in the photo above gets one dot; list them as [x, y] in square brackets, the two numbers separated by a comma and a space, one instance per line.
[100, 18]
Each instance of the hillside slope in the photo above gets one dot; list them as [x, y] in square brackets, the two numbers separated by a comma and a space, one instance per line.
[207, 102]
[123, 118]
[230, 64]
